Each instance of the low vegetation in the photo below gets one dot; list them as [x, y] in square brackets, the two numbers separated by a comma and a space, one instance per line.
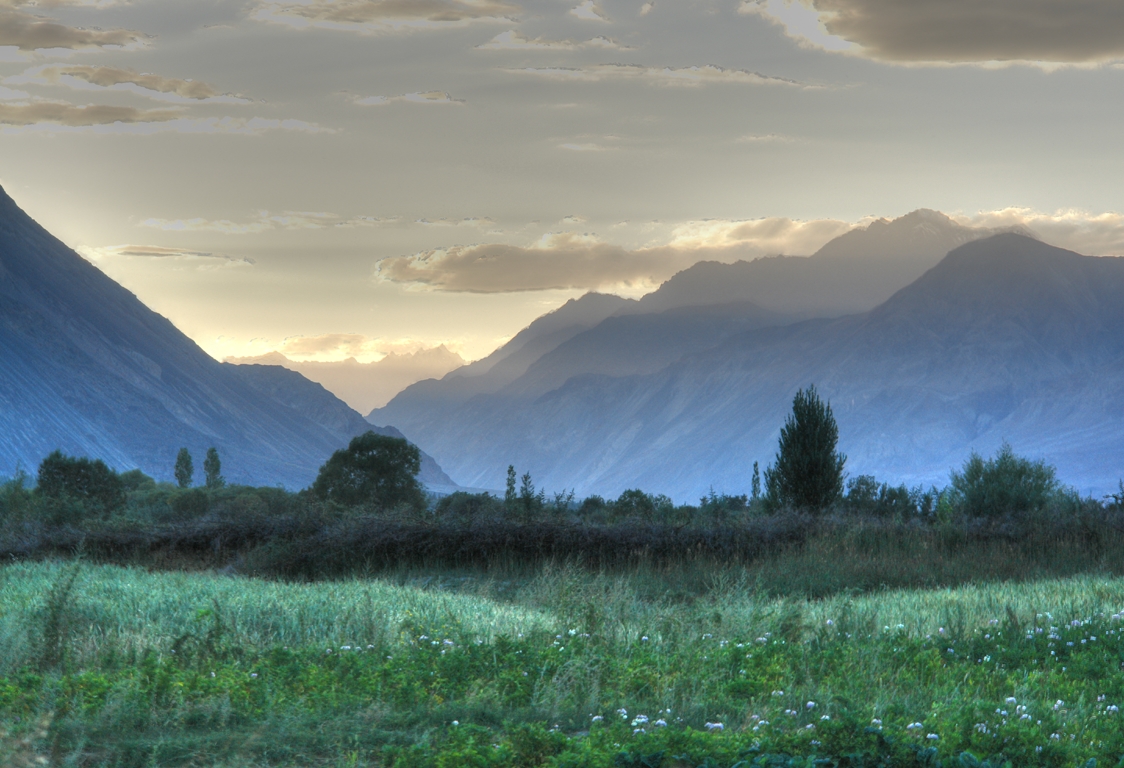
[823, 621]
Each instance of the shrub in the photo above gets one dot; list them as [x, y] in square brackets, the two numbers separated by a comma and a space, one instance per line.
[373, 469]
[808, 472]
[81, 479]
[135, 481]
[462, 506]
[866, 496]
[1004, 485]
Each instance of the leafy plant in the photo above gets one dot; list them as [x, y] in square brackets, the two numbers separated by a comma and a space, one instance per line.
[808, 471]
[1005, 484]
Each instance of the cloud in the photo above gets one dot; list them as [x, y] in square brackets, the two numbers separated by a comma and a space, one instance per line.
[200, 259]
[587, 147]
[588, 10]
[372, 16]
[69, 115]
[471, 221]
[770, 235]
[646, 8]
[429, 97]
[289, 220]
[84, 77]
[568, 260]
[57, 117]
[7, 94]
[1094, 234]
[956, 31]
[685, 76]
[28, 32]
[766, 138]
[513, 41]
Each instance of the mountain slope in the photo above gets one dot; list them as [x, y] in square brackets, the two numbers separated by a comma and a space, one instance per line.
[852, 273]
[86, 368]
[1006, 338]
[365, 386]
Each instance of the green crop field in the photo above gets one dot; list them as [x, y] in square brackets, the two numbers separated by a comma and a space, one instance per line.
[560, 667]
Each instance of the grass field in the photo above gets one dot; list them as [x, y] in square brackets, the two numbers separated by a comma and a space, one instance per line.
[555, 667]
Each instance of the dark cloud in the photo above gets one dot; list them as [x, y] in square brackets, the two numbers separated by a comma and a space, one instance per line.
[61, 113]
[29, 33]
[1056, 31]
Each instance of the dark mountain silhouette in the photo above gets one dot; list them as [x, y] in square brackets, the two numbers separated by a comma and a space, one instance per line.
[86, 368]
[1006, 338]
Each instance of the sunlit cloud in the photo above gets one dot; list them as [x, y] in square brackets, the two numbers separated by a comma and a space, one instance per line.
[429, 97]
[334, 347]
[8, 94]
[569, 260]
[203, 260]
[1093, 234]
[26, 31]
[69, 115]
[588, 10]
[84, 77]
[373, 16]
[955, 31]
[56, 117]
[513, 41]
[265, 221]
[684, 76]
[646, 8]
[770, 235]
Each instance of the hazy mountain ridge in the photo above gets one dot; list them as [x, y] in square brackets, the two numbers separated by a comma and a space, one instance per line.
[1006, 338]
[86, 368]
[366, 386]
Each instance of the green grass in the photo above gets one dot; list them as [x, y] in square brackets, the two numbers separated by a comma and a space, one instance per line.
[141, 669]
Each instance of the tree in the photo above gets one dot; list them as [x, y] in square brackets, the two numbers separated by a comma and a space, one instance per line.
[1004, 485]
[509, 496]
[808, 473]
[373, 469]
[63, 476]
[212, 469]
[185, 468]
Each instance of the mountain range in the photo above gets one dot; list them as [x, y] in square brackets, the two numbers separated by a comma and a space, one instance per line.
[1003, 338]
[366, 386]
[86, 368]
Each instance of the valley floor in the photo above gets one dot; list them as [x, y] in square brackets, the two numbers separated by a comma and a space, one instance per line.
[110, 666]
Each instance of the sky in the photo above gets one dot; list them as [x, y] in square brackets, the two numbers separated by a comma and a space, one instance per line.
[350, 178]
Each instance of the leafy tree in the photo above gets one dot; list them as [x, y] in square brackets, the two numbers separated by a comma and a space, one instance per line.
[185, 468]
[373, 469]
[134, 480]
[509, 496]
[1004, 485]
[212, 469]
[87, 480]
[808, 472]
[755, 484]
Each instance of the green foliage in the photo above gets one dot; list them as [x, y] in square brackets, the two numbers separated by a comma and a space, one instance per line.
[136, 481]
[212, 469]
[637, 505]
[374, 469]
[808, 471]
[184, 469]
[1003, 485]
[509, 497]
[199, 669]
[90, 481]
[466, 507]
[866, 496]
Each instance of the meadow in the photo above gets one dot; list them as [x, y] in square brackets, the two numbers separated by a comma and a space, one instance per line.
[553, 665]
